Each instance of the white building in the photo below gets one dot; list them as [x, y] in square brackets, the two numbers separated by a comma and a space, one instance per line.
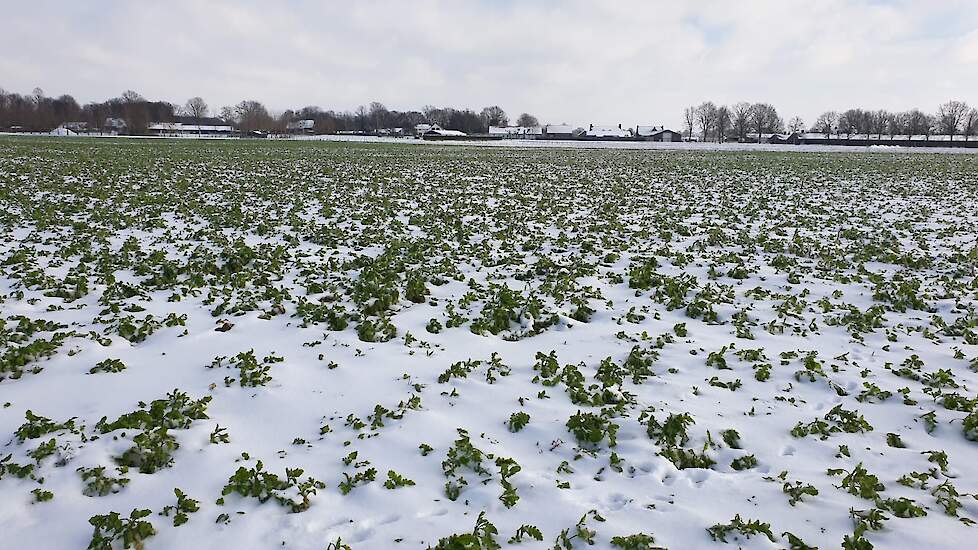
[437, 132]
[183, 129]
[600, 131]
[306, 126]
[115, 124]
[516, 132]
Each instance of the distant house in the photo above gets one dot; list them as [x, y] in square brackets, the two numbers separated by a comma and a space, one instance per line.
[766, 137]
[616, 132]
[420, 129]
[657, 133]
[115, 124]
[190, 126]
[516, 132]
[437, 132]
[645, 131]
[306, 126]
[559, 131]
[792, 138]
[76, 126]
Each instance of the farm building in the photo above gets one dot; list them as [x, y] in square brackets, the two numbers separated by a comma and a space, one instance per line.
[560, 131]
[770, 138]
[792, 138]
[437, 132]
[189, 126]
[657, 133]
[615, 132]
[306, 126]
[516, 132]
[76, 127]
[115, 125]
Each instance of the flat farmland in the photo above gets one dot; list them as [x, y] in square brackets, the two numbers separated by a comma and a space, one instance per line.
[349, 345]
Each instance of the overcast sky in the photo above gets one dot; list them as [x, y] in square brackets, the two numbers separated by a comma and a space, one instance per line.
[574, 61]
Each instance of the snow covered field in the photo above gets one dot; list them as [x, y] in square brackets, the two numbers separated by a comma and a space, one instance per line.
[332, 345]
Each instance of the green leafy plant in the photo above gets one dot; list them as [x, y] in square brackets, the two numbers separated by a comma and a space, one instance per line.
[110, 528]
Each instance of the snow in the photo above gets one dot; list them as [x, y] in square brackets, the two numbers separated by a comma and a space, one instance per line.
[62, 131]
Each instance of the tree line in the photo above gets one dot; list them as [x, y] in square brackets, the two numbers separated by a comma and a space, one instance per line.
[953, 118]
[743, 121]
[748, 121]
[35, 112]
[38, 113]
[737, 121]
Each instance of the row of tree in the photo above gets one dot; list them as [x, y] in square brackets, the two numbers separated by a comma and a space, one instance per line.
[39, 113]
[952, 119]
[748, 121]
[737, 122]
[132, 113]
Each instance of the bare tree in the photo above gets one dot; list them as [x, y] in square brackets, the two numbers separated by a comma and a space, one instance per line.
[826, 123]
[949, 117]
[856, 121]
[690, 116]
[495, 116]
[361, 118]
[796, 124]
[930, 126]
[526, 119]
[917, 122]
[196, 108]
[897, 125]
[706, 115]
[740, 119]
[878, 121]
[865, 122]
[252, 116]
[851, 122]
[969, 125]
[764, 119]
[723, 123]
[135, 111]
[378, 115]
[128, 96]
[227, 114]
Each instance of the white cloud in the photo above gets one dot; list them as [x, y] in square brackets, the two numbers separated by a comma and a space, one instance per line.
[576, 61]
